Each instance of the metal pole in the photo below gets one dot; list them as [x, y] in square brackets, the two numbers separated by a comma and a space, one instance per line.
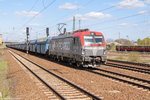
[27, 42]
[47, 31]
[79, 24]
[73, 23]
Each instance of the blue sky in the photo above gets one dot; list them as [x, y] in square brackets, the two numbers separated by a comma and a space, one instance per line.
[129, 18]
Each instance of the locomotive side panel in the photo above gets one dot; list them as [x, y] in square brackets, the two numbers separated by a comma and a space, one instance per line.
[77, 49]
[65, 49]
[60, 47]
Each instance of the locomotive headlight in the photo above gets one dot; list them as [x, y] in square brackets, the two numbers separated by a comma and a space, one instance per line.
[104, 52]
[83, 51]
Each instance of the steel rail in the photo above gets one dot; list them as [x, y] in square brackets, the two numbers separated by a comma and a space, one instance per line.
[68, 82]
[131, 66]
[119, 79]
[128, 68]
[127, 76]
[131, 63]
[59, 95]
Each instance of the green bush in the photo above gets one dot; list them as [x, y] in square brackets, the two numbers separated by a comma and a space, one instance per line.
[144, 42]
[4, 88]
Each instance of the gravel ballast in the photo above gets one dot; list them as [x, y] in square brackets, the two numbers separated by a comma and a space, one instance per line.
[22, 86]
[106, 88]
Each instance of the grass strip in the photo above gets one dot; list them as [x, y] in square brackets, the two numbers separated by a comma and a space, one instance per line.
[4, 83]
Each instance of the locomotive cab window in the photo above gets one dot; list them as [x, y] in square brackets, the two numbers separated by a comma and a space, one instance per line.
[90, 39]
[99, 39]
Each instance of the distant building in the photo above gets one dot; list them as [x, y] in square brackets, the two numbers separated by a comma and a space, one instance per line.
[0, 38]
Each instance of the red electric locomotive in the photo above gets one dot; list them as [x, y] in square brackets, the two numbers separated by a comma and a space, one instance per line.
[82, 47]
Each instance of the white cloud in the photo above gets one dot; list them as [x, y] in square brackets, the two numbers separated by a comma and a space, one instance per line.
[131, 4]
[26, 14]
[126, 25]
[144, 12]
[147, 1]
[92, 16]
[69, 6]
[34, 24]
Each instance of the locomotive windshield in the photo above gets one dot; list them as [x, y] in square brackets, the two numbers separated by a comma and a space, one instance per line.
[93, 39]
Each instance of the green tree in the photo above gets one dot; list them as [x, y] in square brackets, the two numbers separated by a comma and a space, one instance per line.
[144, 42]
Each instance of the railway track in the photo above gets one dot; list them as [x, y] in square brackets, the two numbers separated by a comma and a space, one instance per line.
[141, 83]
[138, 82]
[62, 88]
[131, 63]
[128, 67]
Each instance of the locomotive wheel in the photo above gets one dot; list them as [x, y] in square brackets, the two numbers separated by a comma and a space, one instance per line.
[78, 64]
[105, 62]
[70, 63]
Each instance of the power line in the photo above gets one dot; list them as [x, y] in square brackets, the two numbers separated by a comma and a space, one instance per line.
[36, 1]
[32, 7]
[106, 8]
[115, 26]
[121, 18]
[39, 12]
[43, 2]
[89, 2]
[72, 12]
[97, 11]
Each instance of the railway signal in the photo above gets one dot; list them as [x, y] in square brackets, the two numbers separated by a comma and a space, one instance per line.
[27, 42]
[47, 31]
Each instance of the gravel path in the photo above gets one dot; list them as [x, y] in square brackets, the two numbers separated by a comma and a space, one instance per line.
[104, 87]
[22, 86]
[65, 90]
